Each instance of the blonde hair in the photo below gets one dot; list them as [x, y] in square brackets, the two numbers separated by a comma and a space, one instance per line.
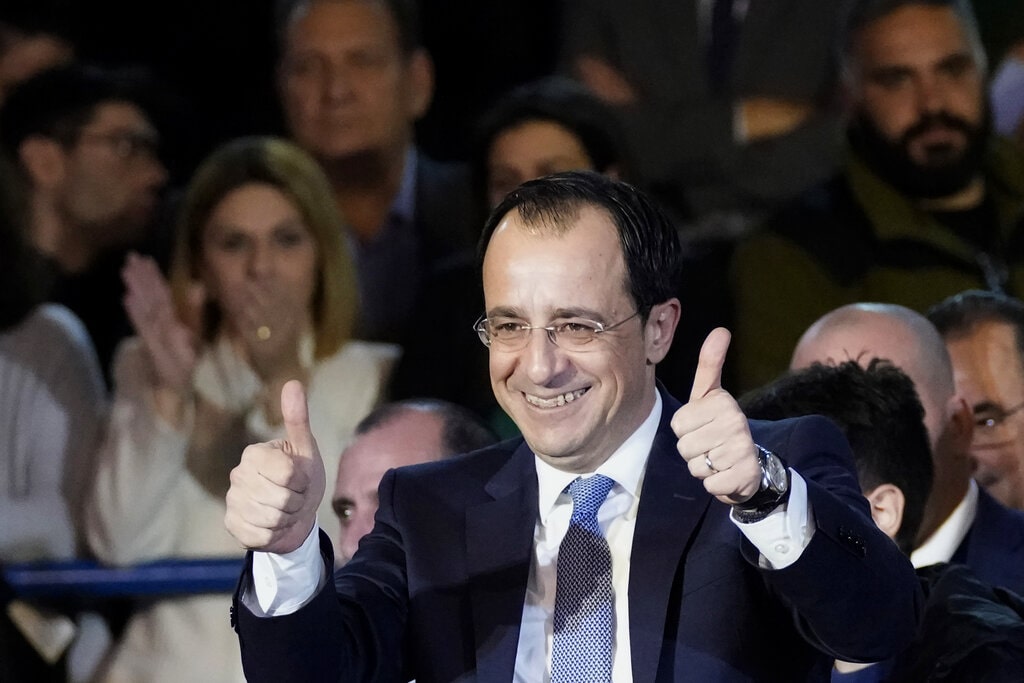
[289, 169]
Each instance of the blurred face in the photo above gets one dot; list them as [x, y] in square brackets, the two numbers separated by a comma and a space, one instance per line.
[990, 375]
[530, 150]
[112, 176]
[257, 253]
[919, 99]
[346, 86]
[412, 437]
[573, 407]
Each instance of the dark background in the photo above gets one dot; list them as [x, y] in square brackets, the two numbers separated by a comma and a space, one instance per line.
[215, 59]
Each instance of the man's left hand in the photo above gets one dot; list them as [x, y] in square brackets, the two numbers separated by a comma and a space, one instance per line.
[713, 430]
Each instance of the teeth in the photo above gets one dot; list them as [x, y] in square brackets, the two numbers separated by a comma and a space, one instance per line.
[559, 400]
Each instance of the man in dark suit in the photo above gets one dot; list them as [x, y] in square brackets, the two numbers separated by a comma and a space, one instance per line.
[962, 522]
[984, 334]
[353, 79]
[767, 119]
[711, 560]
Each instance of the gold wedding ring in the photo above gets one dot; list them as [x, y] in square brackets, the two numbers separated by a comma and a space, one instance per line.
[707, 461]
[263, 333]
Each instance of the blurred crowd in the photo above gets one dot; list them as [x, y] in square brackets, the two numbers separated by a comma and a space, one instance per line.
[199, 203]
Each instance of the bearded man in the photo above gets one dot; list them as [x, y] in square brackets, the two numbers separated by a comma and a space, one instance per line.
[929, 202]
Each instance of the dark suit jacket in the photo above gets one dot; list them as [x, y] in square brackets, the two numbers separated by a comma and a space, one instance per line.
[994, 547]
[442, 357]
[681, 133]
[436, 591]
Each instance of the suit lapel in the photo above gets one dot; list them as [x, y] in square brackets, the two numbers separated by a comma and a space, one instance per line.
[671, 504]
[499, 539]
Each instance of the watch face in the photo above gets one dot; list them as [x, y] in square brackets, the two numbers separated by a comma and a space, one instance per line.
[775, 472]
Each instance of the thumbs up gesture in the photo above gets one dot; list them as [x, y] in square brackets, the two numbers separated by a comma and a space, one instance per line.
[277, 487]
[714, 437]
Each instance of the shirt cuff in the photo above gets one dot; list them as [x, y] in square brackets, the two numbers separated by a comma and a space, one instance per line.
[284, 583]
[782, 536]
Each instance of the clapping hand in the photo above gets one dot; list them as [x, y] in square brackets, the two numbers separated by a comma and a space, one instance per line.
[170, 342]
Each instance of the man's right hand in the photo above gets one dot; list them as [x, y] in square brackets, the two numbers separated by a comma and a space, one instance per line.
[277, 487]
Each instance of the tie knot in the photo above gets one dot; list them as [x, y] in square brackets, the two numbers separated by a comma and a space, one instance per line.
[588, 494]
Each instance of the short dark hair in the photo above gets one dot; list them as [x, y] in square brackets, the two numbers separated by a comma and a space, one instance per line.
[959, 314]
[405, 14]
[58, 102]
[562, 101]
[881, 415]
[462, 431]
[860, 13]
[649, 240]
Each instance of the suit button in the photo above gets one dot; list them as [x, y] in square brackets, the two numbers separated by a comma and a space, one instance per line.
[852, 541]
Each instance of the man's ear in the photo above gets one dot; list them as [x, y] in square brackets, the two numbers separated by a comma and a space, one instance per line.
[660, 328]
[43, 160]
[421, 83]
[887, 502]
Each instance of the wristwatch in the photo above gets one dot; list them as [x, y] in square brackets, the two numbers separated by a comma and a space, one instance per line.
[773, 492]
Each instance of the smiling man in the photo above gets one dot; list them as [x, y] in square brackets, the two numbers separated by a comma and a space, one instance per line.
[929, 201]
[624, 537]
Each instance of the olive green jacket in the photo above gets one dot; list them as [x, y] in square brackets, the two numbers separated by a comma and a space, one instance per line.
[857, 239]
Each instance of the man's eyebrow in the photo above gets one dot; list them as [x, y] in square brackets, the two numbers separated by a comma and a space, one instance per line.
[957, 60]
[574, 312]
[888, 71]
[504, 312]
[342, 502]
[578, 312]
[987, 406]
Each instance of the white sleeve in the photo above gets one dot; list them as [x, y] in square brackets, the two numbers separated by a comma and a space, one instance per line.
[284, 583]
[782, 536]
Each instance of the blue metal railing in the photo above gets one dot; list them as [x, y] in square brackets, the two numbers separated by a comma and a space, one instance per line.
[87, 579]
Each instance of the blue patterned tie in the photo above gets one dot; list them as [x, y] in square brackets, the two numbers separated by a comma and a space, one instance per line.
[584, 614]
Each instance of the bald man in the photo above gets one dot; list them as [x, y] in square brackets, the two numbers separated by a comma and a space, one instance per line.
[961, 523]
[395, 435]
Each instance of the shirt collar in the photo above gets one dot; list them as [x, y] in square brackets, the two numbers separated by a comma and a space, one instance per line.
[625, 466]
[942, 544]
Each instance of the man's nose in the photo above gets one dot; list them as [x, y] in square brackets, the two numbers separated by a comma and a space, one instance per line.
[337, 84]
[931, 94]
[542, 358]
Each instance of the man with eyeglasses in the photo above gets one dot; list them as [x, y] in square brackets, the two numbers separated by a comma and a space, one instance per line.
[625, 537]
[984, 333]
[962, 522]
[84, 145]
